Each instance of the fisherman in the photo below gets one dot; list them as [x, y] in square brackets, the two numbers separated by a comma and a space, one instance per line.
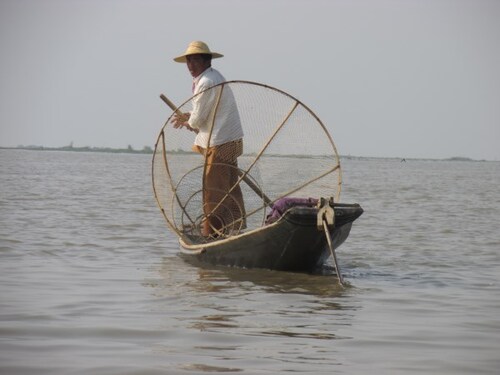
[219, 138]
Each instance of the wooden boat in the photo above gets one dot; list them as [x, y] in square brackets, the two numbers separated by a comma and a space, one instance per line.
[293, 243]
[288, 152]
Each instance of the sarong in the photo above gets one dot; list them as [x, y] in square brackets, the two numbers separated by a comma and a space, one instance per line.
[223, 204]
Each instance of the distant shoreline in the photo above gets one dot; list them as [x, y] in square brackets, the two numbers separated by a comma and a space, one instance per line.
[149, 151]
[128, 150]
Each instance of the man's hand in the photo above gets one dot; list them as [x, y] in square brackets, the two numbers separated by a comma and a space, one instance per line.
[181, 121]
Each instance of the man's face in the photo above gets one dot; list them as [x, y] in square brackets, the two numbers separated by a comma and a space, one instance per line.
[197, 64]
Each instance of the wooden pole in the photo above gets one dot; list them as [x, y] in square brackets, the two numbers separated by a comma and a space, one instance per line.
[171, 105]
[332, 251]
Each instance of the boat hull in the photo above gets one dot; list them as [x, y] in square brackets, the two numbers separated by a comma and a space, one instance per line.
[293, 243]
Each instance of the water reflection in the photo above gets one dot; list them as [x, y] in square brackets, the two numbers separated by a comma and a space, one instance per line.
[229, 315]
[255, 302]
[221, 279]
[204, 368]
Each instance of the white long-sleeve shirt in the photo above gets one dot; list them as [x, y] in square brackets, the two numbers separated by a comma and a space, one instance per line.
[227, 124]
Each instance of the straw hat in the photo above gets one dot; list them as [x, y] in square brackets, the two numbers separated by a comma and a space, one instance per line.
[196, 48]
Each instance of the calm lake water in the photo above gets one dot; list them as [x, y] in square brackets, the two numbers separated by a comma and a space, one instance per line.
[91, 283]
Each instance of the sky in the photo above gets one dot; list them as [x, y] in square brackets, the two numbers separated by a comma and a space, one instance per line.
[388, 78]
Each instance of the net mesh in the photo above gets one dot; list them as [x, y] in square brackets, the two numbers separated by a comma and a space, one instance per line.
[219, 190]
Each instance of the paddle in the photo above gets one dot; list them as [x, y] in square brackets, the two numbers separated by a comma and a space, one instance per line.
[326, 218]
[242, 175]
[332, 251]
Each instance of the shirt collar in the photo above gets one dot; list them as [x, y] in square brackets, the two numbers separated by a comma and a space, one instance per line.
[197, 79]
